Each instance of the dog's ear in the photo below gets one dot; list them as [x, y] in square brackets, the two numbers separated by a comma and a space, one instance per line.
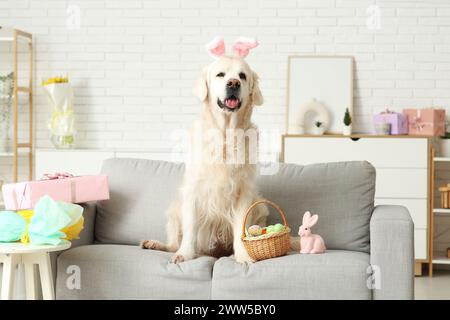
[201, 87]
[257, 97]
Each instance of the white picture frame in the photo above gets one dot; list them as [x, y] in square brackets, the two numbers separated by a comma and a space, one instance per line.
[327, 79]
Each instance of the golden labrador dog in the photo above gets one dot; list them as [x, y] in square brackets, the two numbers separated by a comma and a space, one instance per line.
[219, 181]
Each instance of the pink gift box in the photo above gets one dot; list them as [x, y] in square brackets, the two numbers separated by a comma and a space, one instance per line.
[24, 195]
[429, 122]
[398, 121]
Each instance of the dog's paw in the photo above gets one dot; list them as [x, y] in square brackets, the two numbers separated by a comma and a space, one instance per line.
[177, 258]
[151, 244]
[241, 255]
[243, 258]
[181, 256]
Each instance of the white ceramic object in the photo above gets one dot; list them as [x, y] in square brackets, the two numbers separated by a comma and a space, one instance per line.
[307, 116]
[318, 130]
[347, 130]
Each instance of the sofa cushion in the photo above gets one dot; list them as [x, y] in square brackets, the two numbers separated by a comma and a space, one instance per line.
[334, 274]
[128, 272]
[140, 193]
[342, 193]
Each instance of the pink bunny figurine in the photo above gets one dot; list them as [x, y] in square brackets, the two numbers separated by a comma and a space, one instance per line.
[310, 243]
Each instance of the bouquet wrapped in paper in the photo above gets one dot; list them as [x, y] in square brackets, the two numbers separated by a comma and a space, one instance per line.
[62, 122]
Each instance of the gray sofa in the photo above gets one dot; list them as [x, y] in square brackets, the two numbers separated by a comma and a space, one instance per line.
[369, 249]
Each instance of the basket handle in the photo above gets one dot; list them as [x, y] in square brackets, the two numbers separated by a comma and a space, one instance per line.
[249, 210]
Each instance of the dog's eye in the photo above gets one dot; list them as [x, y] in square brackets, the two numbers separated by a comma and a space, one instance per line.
[242, 76]
[220, 75]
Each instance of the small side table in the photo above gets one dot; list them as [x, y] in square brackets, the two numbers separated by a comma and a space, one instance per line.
[13, 254]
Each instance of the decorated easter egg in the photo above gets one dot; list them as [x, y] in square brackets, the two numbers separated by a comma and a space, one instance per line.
[278, 227]
[254, 230]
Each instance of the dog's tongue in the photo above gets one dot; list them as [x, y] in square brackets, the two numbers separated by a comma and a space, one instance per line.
[232, 102]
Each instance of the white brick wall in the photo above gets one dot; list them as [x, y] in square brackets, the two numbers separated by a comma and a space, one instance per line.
[133, 63]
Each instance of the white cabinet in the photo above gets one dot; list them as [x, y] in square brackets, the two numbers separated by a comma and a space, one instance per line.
[402, 165]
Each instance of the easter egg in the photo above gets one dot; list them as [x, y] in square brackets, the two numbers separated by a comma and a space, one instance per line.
[269, 229]
[254, 230]
[278, 227]
[264, 231]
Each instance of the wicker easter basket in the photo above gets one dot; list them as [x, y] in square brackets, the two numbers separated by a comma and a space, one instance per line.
[269, 245]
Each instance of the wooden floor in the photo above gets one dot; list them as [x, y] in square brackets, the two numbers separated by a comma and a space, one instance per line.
[435, 288]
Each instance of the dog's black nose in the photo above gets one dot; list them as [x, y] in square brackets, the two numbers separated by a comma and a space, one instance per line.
[233, 84]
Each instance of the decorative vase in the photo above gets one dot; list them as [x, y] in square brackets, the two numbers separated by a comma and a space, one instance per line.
[347, 131]
[318, 130]
[62, 122]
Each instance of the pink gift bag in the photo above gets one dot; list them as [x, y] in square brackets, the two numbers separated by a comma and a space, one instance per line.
[429, 122]
[24, 195]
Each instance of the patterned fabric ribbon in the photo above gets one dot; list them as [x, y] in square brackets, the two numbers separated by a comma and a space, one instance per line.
[387, 111]
[56, 175]
[418, 123]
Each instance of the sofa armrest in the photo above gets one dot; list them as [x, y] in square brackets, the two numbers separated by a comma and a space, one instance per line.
[87, 234]
[392, 252]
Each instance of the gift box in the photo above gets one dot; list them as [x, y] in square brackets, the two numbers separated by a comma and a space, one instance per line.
[398, 122]
[25, 195]
[429, 122]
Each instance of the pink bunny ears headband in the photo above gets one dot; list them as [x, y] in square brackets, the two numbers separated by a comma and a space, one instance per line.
[241, 47]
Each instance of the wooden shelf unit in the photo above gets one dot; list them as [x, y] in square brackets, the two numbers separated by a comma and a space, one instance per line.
[14, 36]
[440, 259]
[436, 257]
